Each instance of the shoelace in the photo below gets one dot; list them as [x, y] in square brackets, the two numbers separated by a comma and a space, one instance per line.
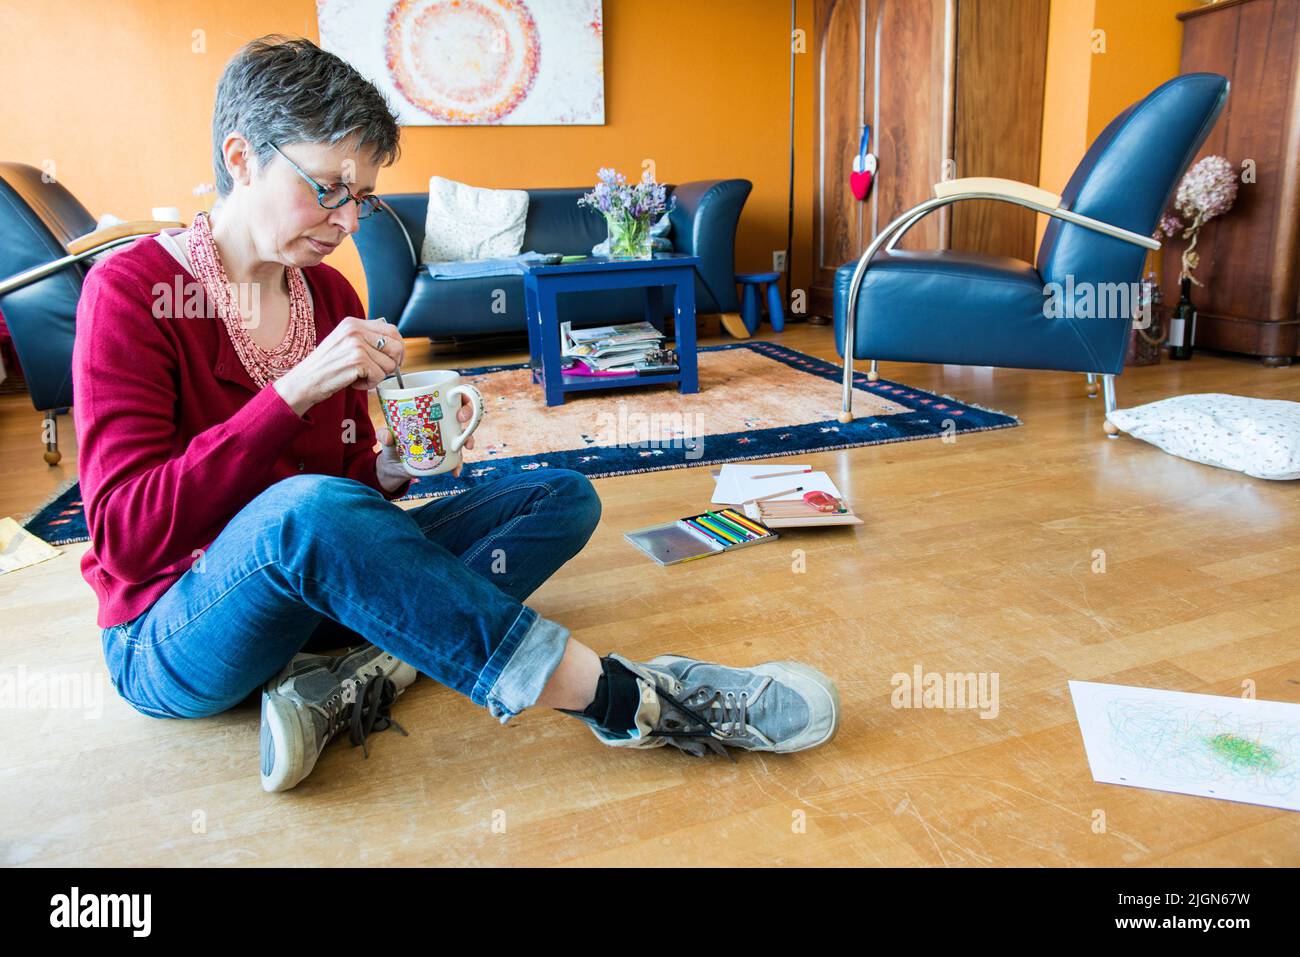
[368, 713]
[709, 731]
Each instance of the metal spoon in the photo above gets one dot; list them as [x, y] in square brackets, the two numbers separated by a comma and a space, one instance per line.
[400, 383]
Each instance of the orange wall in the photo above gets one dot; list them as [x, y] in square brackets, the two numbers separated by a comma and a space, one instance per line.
[112, 92]
[1144, 44]
[114, 95]
[1090, 80]
[1066, 90]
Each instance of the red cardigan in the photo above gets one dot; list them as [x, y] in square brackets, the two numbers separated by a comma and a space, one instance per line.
[174, 437]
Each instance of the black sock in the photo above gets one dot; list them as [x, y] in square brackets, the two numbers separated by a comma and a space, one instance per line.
[599, 704]
[617, 697]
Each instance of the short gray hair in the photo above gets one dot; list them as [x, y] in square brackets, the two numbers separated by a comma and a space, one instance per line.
[280, 89]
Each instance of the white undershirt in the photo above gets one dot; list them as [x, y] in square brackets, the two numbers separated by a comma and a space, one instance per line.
[168, 241]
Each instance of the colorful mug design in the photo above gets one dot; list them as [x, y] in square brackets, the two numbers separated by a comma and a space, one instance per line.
[416, 441]
[422, 418]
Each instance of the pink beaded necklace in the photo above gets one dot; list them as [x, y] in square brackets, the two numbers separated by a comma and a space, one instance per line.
[300, 335]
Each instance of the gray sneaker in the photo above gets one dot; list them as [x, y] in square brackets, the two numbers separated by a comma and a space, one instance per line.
[358, 667]
[778, 706]
[314, 697]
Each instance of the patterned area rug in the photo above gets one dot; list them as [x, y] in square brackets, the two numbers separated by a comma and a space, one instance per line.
[757, 400]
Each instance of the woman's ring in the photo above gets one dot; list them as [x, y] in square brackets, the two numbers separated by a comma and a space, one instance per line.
[379, 343]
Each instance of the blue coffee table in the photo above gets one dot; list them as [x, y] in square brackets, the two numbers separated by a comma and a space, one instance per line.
[543, 284]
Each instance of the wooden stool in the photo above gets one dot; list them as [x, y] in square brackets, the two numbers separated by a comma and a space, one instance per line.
[754, 285]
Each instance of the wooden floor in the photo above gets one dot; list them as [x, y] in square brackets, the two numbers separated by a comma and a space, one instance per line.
[977, 556]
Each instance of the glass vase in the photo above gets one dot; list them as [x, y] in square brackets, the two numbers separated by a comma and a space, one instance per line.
[629, 238]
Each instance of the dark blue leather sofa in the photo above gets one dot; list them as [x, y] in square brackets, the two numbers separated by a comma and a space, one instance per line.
[703, 224]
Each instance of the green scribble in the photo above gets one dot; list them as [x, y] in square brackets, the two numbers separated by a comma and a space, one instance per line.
[1242, 751]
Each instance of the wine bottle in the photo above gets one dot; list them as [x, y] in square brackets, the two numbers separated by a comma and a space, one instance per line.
[1182, 324]
[1144, 348]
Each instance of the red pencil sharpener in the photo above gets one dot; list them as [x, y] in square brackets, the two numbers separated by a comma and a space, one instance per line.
[822, 501]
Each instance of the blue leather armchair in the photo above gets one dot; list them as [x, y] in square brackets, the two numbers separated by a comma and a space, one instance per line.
[968, 308]
[703, 224]
[47, 242]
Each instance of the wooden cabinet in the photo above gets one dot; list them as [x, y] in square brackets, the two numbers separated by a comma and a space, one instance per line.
[1250, 258]
[950, 88]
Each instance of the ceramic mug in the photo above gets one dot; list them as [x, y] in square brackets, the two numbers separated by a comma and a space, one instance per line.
[422, 418]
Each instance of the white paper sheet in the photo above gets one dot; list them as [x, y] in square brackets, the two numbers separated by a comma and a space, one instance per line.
[1234, 749]
[20, 548]
[736, 483]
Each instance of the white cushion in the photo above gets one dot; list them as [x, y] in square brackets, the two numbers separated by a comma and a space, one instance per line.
[1260, 437]
[468, 222]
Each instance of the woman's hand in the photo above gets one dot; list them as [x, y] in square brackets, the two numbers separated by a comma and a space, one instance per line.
[389, 464]
[345, 357]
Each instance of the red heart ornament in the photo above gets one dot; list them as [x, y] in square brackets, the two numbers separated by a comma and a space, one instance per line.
[860, 183]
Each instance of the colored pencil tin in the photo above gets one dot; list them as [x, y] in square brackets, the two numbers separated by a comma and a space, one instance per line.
[699, 536]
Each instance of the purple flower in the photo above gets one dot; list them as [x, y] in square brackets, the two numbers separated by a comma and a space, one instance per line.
[612, 195]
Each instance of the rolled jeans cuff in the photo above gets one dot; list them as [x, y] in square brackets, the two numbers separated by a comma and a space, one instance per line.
[521, 666]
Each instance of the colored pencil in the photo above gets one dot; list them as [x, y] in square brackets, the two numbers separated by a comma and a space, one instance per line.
[699, 532]
[728, 523]
[744, 520]
[736, 537]
[731, 537]
[707, 533]
[740, 527]
[764, 498]
[779, 474]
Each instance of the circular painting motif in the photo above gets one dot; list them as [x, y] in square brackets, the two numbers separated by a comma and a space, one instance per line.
[463, 61]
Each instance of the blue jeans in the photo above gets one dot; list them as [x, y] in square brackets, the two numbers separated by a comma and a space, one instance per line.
[319, 561]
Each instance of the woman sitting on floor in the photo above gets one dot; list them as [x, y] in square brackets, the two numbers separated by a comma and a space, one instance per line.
[241, 520]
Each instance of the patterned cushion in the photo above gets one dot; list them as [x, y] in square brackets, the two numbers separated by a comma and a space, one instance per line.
[1260, 437]
[467, 222]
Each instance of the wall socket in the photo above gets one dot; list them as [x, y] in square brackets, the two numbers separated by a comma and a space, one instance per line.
[778, 260]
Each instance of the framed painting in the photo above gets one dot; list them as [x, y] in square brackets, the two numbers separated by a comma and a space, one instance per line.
[475, 62]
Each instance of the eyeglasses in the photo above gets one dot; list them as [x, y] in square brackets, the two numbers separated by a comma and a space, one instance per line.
[332, 197]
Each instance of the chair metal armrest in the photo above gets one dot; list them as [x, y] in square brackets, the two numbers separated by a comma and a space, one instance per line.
[948, 193]
[1022, 194]
[84, 247]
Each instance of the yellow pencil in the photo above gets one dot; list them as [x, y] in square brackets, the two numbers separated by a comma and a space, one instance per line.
[743, 520]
